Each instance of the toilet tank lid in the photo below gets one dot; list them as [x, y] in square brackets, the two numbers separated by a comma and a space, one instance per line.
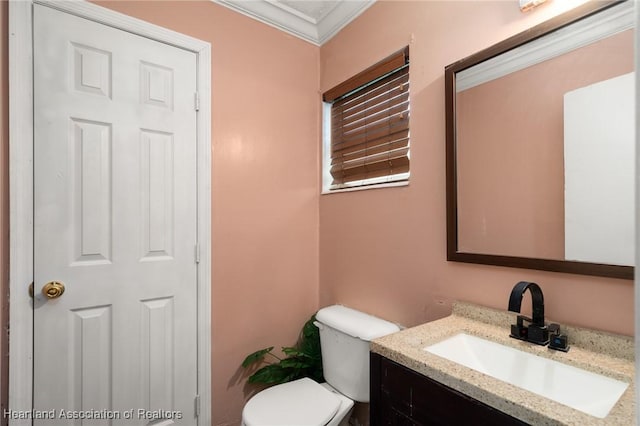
[355, 323]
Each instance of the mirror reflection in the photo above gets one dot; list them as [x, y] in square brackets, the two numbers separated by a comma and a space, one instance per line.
[544, 146]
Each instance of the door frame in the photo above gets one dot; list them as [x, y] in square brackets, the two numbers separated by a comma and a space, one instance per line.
[21, 187]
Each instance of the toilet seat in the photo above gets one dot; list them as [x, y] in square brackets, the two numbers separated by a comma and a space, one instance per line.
[302, 402]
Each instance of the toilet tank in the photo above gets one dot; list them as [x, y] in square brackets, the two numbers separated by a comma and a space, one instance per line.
[344, 338]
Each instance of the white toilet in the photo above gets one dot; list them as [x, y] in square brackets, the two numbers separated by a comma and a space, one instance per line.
[344, 337]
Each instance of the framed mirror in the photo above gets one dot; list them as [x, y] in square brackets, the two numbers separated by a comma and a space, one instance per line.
[540, 134]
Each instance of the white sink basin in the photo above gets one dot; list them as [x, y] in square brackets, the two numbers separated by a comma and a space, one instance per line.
[583, 390]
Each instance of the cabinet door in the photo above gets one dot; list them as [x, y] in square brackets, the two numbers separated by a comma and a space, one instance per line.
[400, 396]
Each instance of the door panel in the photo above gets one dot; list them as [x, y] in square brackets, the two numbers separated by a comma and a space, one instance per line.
[115, 221]
[90, 151]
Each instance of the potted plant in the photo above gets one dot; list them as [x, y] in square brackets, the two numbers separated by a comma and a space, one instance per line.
[302, 360]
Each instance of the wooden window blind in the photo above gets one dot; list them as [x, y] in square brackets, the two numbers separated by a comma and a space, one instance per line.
[370, 125]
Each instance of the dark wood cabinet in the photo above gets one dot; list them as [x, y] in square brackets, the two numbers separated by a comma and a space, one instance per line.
[401, 396]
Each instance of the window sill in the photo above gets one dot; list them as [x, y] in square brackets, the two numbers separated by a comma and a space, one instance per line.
[366, 187]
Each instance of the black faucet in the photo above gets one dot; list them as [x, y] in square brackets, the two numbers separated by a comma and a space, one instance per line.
[536, 332]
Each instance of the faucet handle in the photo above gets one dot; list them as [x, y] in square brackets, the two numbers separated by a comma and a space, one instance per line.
[557, 341]
[520, 319]
[554, 328]
[519, 330]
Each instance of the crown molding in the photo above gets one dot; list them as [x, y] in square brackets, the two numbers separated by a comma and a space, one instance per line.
[294, 22]
[579, 34]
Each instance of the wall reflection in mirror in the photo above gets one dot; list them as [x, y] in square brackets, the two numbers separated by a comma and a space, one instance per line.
[544, 137]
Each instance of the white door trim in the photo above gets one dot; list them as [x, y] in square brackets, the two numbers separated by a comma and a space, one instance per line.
[21, 189]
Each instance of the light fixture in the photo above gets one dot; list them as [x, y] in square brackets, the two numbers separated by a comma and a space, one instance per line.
[527, 5]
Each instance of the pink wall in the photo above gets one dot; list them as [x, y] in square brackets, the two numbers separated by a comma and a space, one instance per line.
[510, 153]
[265, 205]
[384, 250]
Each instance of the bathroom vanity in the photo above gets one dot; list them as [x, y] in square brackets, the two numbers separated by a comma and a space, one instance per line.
[412, 386]
[401, 396]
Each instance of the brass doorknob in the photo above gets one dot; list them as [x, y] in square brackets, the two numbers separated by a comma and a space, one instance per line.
[53, 289]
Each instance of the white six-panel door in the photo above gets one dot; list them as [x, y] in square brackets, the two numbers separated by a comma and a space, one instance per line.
[115, 222]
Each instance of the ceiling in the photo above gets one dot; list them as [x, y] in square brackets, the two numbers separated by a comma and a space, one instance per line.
[315, 21]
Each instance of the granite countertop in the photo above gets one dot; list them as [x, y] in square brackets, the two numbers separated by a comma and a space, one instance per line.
[603, 353]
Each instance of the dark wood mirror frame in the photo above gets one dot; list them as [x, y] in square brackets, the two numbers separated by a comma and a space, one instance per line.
[572, 267]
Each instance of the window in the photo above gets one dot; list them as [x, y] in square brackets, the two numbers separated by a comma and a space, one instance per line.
[366, 126]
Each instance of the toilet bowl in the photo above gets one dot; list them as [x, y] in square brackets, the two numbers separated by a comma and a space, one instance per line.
[302, 402]
[344, 339]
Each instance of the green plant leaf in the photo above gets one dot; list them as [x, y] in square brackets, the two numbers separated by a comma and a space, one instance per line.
[255, 357]
[302, 360]
[271, 374]
[295, 352]
[296, 362]
[309, 330]
[310, 348]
